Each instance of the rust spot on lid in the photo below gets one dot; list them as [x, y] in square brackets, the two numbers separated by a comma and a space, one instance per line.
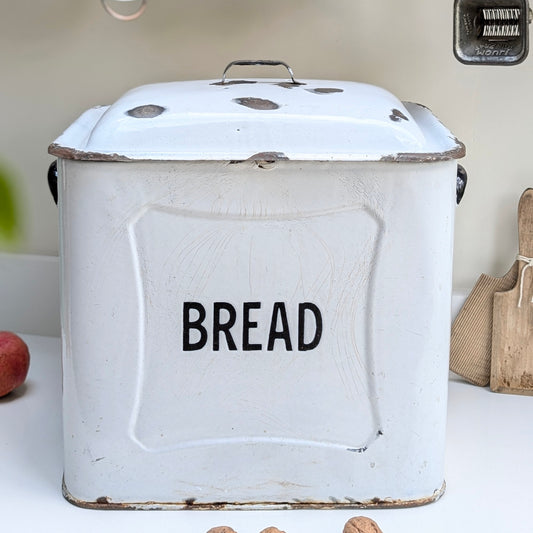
[407, 157]
[396, 115]
[146, 111]
[262, 159]
[268, 156]
[78, 155]
[260, 104]
[325, 90]
[233, 82]
[289, 84]
[267, 160]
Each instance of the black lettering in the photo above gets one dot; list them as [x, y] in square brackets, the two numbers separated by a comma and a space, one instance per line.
[189, 324]
[284, 334]
[223, 327]
[247, 325]
[302, 308]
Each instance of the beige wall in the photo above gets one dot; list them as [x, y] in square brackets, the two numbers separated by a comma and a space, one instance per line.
[59, 57]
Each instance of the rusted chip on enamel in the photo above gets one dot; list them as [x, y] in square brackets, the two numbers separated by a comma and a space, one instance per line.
[261, 104]
[325, 90]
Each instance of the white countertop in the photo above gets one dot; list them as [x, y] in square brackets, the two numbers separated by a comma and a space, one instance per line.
[489, 471]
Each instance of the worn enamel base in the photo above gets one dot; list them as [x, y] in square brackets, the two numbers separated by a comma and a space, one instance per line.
[103, 503]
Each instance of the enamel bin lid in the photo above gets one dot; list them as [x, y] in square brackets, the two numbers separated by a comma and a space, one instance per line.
[304, 120]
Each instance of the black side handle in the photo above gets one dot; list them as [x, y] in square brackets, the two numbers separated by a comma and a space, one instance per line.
[52, 180]
[460, 185]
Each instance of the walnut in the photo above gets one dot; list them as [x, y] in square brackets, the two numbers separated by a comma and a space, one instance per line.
[221, 529]
[361, 524]
[272, 530]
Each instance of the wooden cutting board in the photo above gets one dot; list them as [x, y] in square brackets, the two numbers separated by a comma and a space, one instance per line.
[512, 324]
[471, 336]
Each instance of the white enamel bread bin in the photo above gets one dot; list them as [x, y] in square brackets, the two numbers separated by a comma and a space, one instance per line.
[256, 288]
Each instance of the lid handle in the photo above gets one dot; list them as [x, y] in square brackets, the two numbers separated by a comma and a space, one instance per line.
[262, 62]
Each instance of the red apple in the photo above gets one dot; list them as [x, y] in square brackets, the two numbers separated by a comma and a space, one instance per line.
[14, 362]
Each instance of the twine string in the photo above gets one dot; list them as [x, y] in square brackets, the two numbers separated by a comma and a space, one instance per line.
[529, 261]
